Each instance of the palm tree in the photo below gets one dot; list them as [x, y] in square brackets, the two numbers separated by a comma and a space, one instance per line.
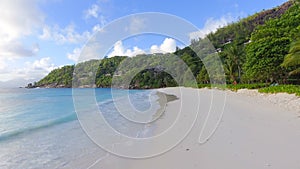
[233, 61]
[293, 58]
[229, 67]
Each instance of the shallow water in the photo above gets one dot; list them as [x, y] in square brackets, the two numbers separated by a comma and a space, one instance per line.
[39, 127]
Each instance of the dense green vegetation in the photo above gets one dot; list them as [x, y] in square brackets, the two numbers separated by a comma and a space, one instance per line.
[293, 58]
[96, 73]
[253, 49]
[255, 52]
[61, 77]
[235, 87]
[282, 89]
[154, 71]
[270, 43]
[144, 78]
[144, 71]
[262, 88]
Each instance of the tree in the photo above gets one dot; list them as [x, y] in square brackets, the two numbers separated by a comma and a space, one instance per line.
[233, 62]
[270, 43]
[293, 58]
[264, 57]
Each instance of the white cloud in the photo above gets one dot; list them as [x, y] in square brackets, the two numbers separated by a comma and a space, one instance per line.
[46, 35]
[97, 28]
[19, 19]
[212, 25]
[3, 64]
[31, 71]
[43, 64]
[64, 35]
[16, 49]
[74, 55]
[168, 46]
[119, 50]
[68, 35]
[95, 12]
[92, 11]
[86, 52]
[90, 51]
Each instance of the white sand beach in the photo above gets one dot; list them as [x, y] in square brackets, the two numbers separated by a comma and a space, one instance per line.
[256, 131]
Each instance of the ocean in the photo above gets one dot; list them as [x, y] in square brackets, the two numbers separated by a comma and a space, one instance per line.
[39, 127]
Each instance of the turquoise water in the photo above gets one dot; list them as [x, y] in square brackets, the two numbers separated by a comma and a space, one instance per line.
[39, 127]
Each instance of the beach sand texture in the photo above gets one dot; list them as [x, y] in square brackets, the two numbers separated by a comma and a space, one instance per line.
[256, 131]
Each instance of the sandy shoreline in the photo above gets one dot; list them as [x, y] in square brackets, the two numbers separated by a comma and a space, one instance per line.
[287, 101]
[255, 131]
[163, 100]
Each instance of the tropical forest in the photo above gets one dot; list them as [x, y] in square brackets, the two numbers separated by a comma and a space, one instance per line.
[261, 51]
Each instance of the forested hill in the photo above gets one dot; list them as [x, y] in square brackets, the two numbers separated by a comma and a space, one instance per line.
[252, 50]
[240, 32]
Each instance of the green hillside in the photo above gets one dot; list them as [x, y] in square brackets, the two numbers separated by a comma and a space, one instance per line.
[252, 50]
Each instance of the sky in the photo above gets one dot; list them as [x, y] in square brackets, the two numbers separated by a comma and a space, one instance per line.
[37, 36]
